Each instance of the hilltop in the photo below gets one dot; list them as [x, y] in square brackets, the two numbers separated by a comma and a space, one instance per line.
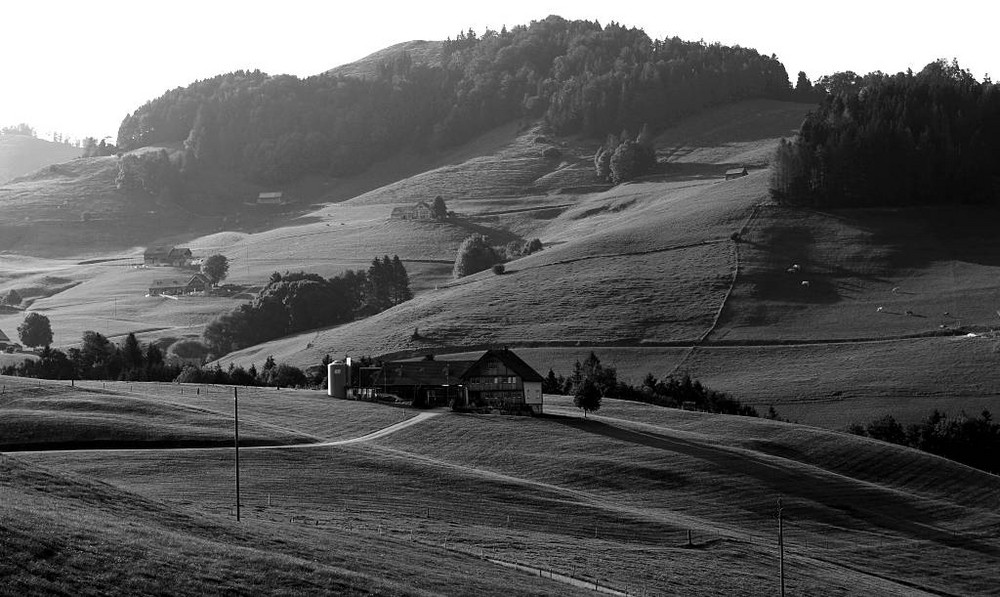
[23, 154]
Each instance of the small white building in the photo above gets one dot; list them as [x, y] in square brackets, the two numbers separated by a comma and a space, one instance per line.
[273, 198]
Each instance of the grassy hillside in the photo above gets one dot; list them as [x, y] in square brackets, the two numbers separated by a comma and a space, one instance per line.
[21, 154]
[426, 53]
[561, 494]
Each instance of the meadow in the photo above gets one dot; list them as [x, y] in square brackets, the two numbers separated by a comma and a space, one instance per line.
[607, 499]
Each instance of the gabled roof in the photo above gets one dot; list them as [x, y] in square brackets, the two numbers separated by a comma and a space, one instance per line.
[421, 373]
[179, 282]
[157, 251]
[180, 252]
[3, 337]
[742, 170]
[512, 361]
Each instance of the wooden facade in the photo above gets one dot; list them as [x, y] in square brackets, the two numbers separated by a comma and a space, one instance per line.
[501, 381]
[421, 212]
[167, 256]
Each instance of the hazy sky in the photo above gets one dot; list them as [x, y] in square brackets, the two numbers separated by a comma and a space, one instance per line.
[80, 67]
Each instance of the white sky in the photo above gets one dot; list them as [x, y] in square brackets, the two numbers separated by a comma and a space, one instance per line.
[80, 67]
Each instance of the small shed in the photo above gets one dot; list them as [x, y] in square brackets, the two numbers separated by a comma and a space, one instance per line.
[736, 173]
[272, 198]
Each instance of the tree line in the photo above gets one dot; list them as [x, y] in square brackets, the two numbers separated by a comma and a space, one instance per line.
[926, 138]
[974, 441]
[300, 301]
[579, 76]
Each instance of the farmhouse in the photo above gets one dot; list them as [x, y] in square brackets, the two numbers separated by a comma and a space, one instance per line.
[736, 173]
[175, 286]
[5, 341]
[421, 211]
[275, 198]
[499, 381]
[167, 256]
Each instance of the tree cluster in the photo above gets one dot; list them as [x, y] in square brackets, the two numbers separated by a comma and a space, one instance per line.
[301, 301]
[672, 391]
[151, 172]
[99, 358]
[891, 141]
[23, 129]
[93, 149]
[580, 76]
[476, 254]
[974, 441]
[623, 158]
[271, 374]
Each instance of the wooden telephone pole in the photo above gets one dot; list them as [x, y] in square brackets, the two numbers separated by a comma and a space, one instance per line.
[236, 435]
[781, 550]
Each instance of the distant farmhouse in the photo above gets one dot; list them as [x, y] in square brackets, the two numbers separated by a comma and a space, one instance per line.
[275, 198]
[736, 173]
[421, 211]
[499, 381]
[5, 342]
[177, 286]
[167, 256]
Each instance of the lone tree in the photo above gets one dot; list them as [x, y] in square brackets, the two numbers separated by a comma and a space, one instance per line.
[13, 298]
[438, 209]
[216, 268]
[474, 255]
[588, 397]
[35, 330]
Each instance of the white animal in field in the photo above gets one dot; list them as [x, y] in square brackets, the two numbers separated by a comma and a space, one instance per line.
[805, 282]
[895, 290]
[878, 309]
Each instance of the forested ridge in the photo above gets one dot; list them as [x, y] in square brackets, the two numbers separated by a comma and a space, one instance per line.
[880, 140]
[579, 76]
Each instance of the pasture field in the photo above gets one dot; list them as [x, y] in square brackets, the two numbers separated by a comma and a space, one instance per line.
[609, 499]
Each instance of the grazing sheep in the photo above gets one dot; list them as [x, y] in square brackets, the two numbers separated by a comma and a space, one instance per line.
[805, 282]
[878, 309]
[895, 290]
[908, 312]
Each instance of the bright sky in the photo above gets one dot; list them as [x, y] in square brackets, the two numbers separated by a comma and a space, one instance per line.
[80, 67]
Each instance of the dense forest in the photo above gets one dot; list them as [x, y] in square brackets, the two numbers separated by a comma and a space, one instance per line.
[924, 138]
[579, 76]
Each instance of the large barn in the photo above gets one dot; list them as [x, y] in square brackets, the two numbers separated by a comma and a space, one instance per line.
[499, 381]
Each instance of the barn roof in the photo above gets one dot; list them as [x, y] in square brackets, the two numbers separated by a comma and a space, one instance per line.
[3, 337]
[421, 373]
[273, 195]
[736, 171]
[512, 361]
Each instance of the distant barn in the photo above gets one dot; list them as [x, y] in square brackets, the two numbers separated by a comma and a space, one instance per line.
[736, 173]
[501, 381]
[167, 256]
[177, 286]
[5, 342]
[421, 211]
[273, 198]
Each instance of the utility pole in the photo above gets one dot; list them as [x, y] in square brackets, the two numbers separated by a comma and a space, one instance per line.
[781, 550]
[236, 434]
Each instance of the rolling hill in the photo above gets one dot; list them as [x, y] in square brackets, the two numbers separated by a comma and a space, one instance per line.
[453, 504]
[23, 154]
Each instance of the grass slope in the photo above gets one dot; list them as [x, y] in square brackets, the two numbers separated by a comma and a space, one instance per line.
[608, 499]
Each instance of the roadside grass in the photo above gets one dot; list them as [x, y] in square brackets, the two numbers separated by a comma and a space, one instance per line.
[611, 500]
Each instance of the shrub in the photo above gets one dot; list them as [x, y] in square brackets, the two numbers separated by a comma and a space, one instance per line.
[499, 269]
